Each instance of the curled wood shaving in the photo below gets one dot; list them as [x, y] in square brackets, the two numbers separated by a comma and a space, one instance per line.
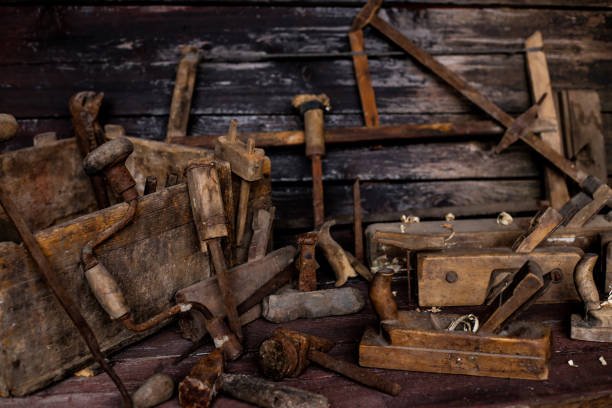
[504, 218]
[434, 309]
[449, 217]
[603, 361]
[571, 363]
[465, 321]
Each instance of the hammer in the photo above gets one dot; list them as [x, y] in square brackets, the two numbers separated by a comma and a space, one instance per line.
[287, 354]
[311, 107]
[207, 378]
[209, 217]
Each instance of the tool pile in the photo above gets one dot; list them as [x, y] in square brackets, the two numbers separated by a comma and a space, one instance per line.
[220, 202]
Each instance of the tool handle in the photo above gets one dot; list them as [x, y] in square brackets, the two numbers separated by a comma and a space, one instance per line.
[269, 394]
[585, 285]
[356, 373]
[106, 290]
[206, 201]
[229, 303]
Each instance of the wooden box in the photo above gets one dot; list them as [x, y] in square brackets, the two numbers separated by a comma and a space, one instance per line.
[151, 258]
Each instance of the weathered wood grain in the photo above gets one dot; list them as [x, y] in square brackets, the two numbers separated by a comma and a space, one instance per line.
[143, 258]
[379, 197]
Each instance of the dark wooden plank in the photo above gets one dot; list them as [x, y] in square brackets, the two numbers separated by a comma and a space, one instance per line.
[60, 34]
[291, 201]
[603, 4]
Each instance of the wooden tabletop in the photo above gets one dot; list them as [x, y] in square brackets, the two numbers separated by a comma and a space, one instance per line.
[588, 380]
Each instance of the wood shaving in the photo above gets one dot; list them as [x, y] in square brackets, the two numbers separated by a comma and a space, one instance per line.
[434, 309]
[410, 219]
[504, 218]
[603, 361]
[449, 217]
[571, 363]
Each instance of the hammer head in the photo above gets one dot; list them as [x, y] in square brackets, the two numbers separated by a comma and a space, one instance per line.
[200, 387]
[364, 16]
[285, 353]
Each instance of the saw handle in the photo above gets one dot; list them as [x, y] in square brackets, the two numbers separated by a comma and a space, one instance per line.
[585, 284]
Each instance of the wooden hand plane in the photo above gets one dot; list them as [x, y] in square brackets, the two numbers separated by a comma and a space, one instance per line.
[596, 324]
[425, 341]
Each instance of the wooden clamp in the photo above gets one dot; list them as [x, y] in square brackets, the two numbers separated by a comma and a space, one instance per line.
[183, 91]
[247, 163]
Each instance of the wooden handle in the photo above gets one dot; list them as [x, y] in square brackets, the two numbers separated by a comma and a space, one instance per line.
[206, 201]
[585, 285]
[107, 291]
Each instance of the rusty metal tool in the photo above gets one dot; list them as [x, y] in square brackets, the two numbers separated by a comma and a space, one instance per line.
[307, 264]
[311, 107]
[209, 217]
[84, 108]
[596, 322]
[276, 282]
[110, 159]
[287, 353]
[368, 16]
[207, 378]
[247, 163]
[54, 283]
[357, 220]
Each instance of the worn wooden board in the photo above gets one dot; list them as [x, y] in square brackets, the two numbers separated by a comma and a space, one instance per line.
[151, 258]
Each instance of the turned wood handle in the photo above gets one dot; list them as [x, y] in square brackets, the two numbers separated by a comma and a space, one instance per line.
[585, 285]
[107, 154]
[106, 290]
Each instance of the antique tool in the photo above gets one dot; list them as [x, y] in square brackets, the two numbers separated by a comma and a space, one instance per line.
[424, 341]
[262, 233]
[357, 220]
[155, 390]
[8, 127]
[207, 378]
[183, 91]
[596, 323]
[335, 255]
[53, 281]
[247, 163]
[294, 304]
[287, 354]
[368, 16]
[464, 277]
[512, 296]
[250, 280]
[110, 159]
[150, 185]
[209, 218]
[372, 134]
[539, 79]
[84, 108]
[307, 264]
[311, 107]
[244, 310]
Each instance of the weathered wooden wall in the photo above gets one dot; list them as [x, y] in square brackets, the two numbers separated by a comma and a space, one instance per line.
[129, 51]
